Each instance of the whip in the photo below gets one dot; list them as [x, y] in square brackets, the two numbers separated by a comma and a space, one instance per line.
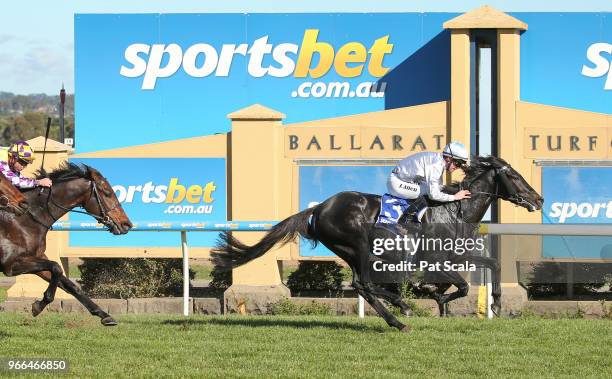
[45, 146]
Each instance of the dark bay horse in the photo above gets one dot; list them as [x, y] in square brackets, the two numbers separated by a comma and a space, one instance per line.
[11, 199]
[344, 223]
[23, 238]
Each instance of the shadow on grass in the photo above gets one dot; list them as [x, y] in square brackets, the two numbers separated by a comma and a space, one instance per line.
[283, 322]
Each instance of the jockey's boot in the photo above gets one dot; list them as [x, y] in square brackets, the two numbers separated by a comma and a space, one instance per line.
[413, 212]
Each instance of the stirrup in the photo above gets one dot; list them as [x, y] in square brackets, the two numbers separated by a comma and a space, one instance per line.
[409, 217]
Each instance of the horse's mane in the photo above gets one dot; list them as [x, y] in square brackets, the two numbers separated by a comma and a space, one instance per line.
[65, 172]
[477, 166]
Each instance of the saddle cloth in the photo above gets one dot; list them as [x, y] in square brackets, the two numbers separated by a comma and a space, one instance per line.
[392, 208]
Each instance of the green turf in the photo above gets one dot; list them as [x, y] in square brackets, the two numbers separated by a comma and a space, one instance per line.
[2, 294]
[312, 346]
[74, 271]
[202, 272]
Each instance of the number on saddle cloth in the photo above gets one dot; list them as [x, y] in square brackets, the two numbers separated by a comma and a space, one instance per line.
[392, 209]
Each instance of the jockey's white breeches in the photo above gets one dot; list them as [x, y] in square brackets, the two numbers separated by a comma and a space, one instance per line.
[405, 190]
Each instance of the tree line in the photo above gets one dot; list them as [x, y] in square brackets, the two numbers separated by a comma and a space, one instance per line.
[24, 117]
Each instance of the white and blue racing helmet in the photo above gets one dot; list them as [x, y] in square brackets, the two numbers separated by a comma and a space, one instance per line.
[456, 150]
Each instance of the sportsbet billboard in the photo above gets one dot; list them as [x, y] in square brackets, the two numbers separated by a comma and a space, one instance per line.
[169, 76]
[160, 190]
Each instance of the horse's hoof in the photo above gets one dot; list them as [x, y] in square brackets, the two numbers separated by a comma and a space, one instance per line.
[108, 321]
[405, 329]
[496, 309]
[407, 313]
[37, 307]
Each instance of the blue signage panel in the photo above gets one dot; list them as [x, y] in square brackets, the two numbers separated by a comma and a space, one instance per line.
[318, 183]
[185, 190]
[566, 60]
[577, 195]
[171, 76]
[174, 76]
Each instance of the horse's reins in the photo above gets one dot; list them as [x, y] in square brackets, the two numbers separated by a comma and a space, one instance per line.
[501, 173]
[104, 219]
[512, 194]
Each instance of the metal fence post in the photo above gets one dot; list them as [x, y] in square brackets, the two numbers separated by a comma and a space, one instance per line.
[361, 307]
[185, 272]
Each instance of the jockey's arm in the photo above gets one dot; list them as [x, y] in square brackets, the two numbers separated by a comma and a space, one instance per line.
[435, 188]
[435, 192]
[18, 181]
[433, 182]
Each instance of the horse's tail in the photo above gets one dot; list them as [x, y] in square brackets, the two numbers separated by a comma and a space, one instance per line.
[230, 252]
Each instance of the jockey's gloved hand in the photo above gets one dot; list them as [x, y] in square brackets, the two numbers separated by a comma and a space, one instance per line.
[44, 182]
[463, 194]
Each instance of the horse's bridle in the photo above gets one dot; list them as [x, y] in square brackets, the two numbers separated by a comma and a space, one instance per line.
[103, 219]
[512, 194]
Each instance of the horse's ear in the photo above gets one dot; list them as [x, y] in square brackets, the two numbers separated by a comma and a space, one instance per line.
[88, 171]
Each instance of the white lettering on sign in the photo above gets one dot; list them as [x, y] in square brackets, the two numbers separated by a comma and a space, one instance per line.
[312, 58]
[565, 211]
[602, 65]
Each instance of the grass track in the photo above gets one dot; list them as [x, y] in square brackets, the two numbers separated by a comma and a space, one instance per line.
[311, 346]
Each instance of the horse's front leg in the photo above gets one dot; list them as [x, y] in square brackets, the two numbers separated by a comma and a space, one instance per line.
[393, 298]
[443, 299]
[93, 308]
[437, 295]
[36, 265]
[365, 291]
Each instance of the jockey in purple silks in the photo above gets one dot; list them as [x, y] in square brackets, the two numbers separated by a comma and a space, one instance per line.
[20, 154]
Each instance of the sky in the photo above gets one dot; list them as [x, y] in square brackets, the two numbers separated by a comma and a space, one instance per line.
[37, 36]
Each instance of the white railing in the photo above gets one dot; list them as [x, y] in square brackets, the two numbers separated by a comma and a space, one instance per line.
[183, 228]
[258, 226]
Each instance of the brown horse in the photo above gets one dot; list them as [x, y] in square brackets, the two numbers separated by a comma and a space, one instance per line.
[22, 238]
[11, 199]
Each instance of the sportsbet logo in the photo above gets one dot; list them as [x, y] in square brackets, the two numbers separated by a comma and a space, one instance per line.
[566, 211]
[201, 59]
[600, 56]
[199, 198]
